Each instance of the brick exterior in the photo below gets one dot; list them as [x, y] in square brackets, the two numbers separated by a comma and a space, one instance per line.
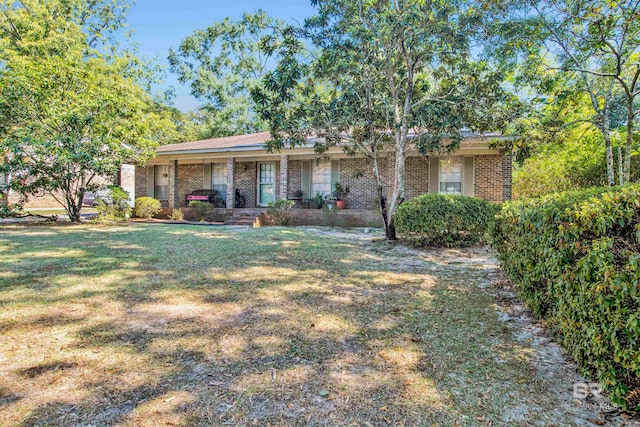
[492, 179]
[507, 176]
[489, 178]
[245, 177]
[295, 177]
[417, 177]
[358, 176]
[141, 181]
[190, 178]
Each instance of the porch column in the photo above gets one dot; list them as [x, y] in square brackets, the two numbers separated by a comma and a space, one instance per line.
[173, 184]
[284, 177]
[231, 182]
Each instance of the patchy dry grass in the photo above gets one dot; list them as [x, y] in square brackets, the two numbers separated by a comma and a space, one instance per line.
[183, 325]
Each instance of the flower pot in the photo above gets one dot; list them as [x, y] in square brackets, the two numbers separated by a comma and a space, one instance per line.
[341, 204]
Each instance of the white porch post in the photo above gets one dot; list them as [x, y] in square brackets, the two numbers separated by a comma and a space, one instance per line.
[231, 182]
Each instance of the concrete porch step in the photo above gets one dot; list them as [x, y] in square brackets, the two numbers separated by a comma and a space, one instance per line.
[242, 217]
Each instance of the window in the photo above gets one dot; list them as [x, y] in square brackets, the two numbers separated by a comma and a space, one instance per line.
[451, 175]
[321, 179]
[162, 182]
[219, 179]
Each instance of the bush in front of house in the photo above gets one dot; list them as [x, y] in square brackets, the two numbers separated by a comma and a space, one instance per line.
[575, 258]
[444, 220]
[113, 204]
[200, 209]
[147, 207]
[279, 211]
[177, 215]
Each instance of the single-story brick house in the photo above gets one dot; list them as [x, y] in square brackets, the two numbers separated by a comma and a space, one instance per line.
[240, 162]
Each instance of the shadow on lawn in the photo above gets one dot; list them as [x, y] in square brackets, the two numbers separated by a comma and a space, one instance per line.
[274, 326]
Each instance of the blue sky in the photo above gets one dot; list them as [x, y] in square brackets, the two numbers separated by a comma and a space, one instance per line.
[162, 24]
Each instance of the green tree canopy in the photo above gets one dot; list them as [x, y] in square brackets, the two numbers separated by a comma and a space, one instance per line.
[389, 78]
[590, 46]
[222, 63]
[68, 111]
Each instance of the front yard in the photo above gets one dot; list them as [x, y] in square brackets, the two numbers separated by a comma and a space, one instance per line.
[191, 325]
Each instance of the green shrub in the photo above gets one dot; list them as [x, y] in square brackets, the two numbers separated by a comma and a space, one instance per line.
[113, 204]
[575, 258]
[200, 209]
[146, 207]
[444, 220]
[279, 210]
[177, 215]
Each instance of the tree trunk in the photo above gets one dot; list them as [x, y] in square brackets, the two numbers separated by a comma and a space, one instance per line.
[626, 172]
[390, 230]
[611, 172]
[382, 199]
[620, 164]
[73, 206]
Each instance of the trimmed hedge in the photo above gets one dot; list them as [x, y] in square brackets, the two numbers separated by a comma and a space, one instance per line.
[146, 207]
[444, 220]
[575, 258]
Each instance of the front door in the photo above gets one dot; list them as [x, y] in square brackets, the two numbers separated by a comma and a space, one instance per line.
[266, 183]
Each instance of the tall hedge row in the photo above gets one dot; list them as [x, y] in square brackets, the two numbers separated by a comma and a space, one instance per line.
[445, 220]
[575, 258]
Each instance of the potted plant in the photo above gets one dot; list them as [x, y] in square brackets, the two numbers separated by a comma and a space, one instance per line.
[340, 194]
[318, 200]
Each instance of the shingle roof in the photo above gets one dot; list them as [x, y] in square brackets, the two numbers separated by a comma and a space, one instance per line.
[254, 140]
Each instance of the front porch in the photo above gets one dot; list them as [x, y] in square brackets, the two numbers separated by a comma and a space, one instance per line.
[268, 178]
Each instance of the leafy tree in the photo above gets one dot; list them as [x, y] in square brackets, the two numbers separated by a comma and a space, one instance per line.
[222, 63]
[389, 77]
[68, 111]
[594, 45]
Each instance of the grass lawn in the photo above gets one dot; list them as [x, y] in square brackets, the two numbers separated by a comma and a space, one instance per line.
[190, 325]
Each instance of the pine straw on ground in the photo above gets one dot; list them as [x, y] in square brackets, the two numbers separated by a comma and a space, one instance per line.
[184, 325]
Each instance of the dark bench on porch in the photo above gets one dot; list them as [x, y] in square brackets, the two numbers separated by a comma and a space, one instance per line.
[209, 196]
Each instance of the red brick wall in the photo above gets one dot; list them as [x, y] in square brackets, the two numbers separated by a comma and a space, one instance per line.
[190, 178]
[141, 182]
[246, 182]
[358, 176]
[417, 177]
[492, 179]
[507, 176]
[489, 173]
[295, 176]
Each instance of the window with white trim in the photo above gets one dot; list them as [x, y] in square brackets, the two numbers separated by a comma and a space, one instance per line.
[451, 175]
[219, 179]
[161, 179]
[321, 179]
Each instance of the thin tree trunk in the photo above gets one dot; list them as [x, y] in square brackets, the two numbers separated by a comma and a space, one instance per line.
[626, 172]
[381, 197]
[611, 172]
[620, 164]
